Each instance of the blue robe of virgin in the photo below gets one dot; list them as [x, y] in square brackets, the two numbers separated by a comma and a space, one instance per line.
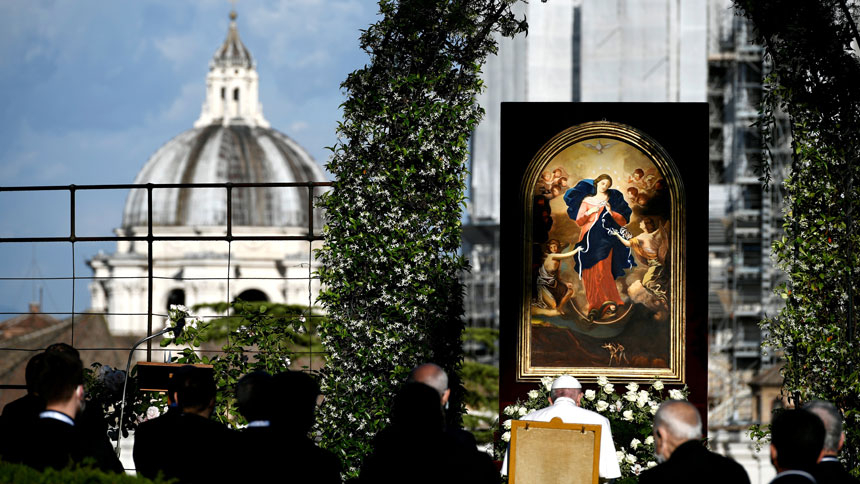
[598, 242]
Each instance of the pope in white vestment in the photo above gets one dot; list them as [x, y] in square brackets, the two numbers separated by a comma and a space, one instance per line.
[567, 409]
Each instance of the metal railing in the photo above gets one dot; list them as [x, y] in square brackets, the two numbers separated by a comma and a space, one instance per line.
[310, 235]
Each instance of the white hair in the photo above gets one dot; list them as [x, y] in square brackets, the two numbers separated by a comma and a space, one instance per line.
[680, 419]
[435, 378]
[832, 420]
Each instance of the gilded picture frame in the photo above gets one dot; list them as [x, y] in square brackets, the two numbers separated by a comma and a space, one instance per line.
[603, 253]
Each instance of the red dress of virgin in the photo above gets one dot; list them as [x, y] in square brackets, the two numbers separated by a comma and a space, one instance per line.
[598, 280]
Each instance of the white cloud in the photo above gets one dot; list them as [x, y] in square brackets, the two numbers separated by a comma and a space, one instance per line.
[186, 105]
[298, 126]
[181, 49]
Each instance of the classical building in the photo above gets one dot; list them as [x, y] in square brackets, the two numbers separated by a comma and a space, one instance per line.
[230, 142]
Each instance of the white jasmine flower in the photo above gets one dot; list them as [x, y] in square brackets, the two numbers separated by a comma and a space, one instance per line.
[506, 436]
[602, 380]
[522, 411]
[654, 409]
[676, 395]
[649, 440]
[630, 396]
[643, 395]
[534, 394]
[609, 388]
[510, 410]
[636, 469]
[507, 424]
[619, 454]
[632, 387]
[590, 395]
[658, 385]
[651, 464]
[627, 415]
[631, 458]
[602, 406]
[635, 443]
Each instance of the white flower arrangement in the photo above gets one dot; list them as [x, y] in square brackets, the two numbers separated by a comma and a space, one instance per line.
[635, 407]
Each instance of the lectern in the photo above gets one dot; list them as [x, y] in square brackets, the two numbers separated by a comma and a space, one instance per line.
[554, 452]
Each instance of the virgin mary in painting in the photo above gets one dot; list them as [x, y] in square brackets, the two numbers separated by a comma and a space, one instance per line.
[601, 212]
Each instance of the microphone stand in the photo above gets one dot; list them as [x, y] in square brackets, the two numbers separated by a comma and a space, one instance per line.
[176, 330]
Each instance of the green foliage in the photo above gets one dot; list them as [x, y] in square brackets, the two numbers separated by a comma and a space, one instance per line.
[260, 336]
[813, 78]
[19, 473]
[390, 257]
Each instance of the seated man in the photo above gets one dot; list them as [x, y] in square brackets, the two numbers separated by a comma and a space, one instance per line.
[181, 443]
[829, 469]
[796, 441]
[565, 395]
[679, 449]
[54, 439]
[295, 396]
[480, 466]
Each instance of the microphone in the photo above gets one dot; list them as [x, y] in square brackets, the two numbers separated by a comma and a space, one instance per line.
[180, 325]
[176, 330]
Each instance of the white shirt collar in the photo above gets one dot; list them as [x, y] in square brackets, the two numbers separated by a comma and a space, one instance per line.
[796, 473]
[57, 416]
[564, 400]
[829, 458]
[258, 423]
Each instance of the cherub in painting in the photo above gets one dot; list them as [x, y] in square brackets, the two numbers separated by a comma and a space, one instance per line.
[552, 292]
[650, 247]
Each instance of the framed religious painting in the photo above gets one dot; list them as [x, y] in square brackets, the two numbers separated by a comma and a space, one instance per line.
[603, 257]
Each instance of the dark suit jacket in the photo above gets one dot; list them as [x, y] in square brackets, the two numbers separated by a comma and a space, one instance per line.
[183, 446]
[51, 443]
[692, 462]
[831, 472]
[270, 451]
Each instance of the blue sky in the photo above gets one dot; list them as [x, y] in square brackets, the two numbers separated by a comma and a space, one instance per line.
[92, 88]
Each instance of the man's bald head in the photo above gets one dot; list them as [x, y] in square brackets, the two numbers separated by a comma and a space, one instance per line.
[675, 423]
[434, 376]
[680, 419]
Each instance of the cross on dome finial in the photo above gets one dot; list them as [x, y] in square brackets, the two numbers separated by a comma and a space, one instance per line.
[233, 14]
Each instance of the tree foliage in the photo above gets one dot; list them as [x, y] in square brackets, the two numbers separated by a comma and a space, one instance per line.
[390, 257]
[257, 336]
[814, 73]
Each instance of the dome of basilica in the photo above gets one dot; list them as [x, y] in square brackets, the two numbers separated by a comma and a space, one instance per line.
[230, 142]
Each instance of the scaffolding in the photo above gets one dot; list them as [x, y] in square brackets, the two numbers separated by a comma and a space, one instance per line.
[744, 219]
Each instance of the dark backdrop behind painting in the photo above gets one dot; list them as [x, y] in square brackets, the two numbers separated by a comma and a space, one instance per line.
[682, 130]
